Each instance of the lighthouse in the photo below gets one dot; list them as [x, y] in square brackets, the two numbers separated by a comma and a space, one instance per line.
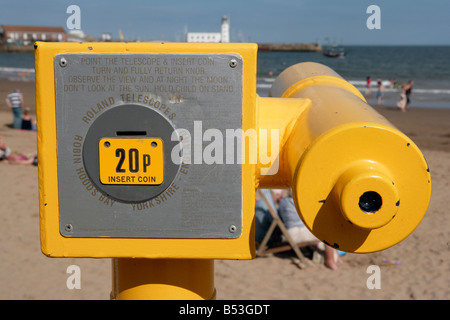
[225, 30]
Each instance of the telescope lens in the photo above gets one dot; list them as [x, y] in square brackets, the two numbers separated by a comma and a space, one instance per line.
[370, 202]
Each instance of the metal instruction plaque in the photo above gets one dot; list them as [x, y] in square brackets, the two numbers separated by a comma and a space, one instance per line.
[143, 145]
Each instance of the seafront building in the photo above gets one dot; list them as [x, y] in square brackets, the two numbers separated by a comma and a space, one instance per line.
[27, 35]
[215, 37]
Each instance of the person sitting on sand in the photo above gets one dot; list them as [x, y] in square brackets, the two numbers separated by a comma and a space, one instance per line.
[298, 231]
[295, 227]
[27, 123]
[7, 156]
[263, 218]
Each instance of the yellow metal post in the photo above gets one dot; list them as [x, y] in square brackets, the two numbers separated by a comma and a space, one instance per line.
[163, 279]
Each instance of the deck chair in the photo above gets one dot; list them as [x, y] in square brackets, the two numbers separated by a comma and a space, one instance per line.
[301, 262]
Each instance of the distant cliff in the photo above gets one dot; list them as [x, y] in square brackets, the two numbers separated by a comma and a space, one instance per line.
[314, 47]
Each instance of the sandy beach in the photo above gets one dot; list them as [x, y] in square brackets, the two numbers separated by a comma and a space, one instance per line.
[417, 268]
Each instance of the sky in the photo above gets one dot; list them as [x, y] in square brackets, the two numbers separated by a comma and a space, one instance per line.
[402, 22]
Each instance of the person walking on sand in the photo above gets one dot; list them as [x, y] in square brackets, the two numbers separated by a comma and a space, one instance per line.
[368, 83]
[408, 93]
[402, 103]
[380, 92]
[14, 100]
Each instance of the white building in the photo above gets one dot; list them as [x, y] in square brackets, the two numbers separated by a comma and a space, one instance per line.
[27, 35]
[223, 36]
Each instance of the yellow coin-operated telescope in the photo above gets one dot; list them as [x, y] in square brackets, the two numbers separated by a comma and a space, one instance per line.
[150, 154]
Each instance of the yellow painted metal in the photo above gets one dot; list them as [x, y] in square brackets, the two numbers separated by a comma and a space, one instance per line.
[286, 117]
[334, 80]
[359, 184]
[53, 244]
[341, 150]
[131, 161]
[351, 185]
[163, 279]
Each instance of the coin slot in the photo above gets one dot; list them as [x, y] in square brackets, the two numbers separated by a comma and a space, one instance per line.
[131, 133]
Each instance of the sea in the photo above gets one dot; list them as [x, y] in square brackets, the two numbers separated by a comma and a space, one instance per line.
[427, 66]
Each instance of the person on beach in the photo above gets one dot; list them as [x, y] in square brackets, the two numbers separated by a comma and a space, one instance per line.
[27, 123]
[5, 151]
[402, 103]
[393, 83]
[299, 233]
[263, 218]
[294, 225]
[368, 83]
[380, 92]
[7, 156]
[14, 100]
[408, 93]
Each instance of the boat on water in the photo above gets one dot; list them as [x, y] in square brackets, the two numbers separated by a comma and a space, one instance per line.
[332, 54]
[334, 51]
